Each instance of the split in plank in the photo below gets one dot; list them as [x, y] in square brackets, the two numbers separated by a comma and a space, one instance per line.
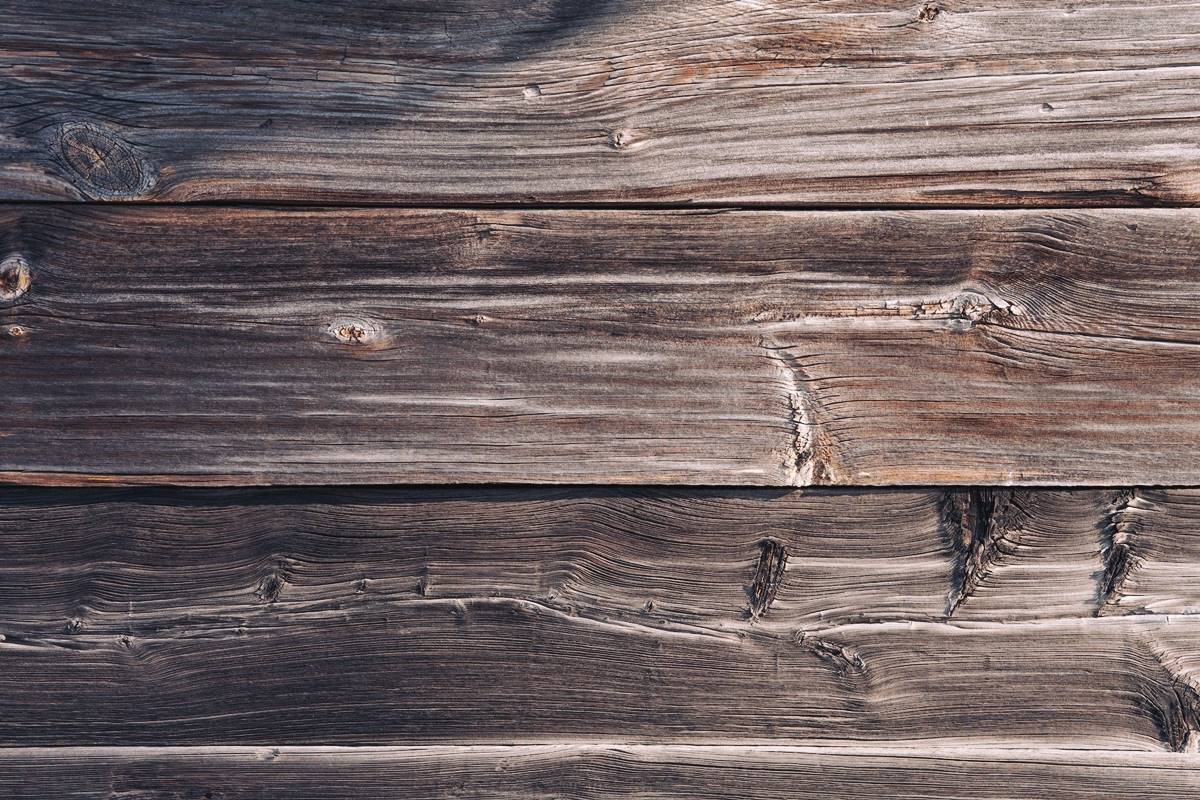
[937, 102]
[244, 346]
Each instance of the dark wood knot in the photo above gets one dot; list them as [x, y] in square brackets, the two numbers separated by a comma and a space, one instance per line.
[14, 277]
[103, 164]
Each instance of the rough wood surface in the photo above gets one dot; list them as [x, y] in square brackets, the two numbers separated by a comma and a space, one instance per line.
[890, 101]
[208, 345]
[592, 773]
[139, 561]
[541, 615]
[509, 671]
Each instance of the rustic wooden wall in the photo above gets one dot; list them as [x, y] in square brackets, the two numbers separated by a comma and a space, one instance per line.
[550, 398]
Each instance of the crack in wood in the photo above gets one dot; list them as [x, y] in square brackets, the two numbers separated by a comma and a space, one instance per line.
[845, 661]
[983, 527]
[1176, 708]
[768, 576]
[807, 462]
[962, 310]
[1118, 549]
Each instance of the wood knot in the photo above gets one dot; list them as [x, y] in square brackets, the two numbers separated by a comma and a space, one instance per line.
[620, 139]
[14, 277]
[360, 332]
[845, 661]
[270, 588]
[351, 333]
[532, 92]
[15, 332]
[104, 165]
[928, 13]
[966, 309]
[971, 306]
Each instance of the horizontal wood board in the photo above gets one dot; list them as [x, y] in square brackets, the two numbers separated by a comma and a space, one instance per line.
[252, 346]
[944, 102]
[977, 618]
[592, 772]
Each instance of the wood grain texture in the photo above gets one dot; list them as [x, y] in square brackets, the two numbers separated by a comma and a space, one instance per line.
[942, 102]
[542, 615]
[242, 346]
[593, 773]
[512, 671]
[135, 561]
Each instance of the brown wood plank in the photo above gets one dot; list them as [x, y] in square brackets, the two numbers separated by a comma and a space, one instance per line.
[508, 670]
[610, 772]
[537, 615]
[137, 561]
[235, 346]
[890, 101]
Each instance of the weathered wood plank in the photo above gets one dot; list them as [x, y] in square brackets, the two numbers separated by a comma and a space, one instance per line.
[137, 562]
[891, 101]
[209, 345]
[535, 615]
[508, 670]
[593, 772]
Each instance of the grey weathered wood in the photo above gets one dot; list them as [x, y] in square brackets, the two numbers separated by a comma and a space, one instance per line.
[234, 346]
[942, 102]
[611, 772]
[543, 615]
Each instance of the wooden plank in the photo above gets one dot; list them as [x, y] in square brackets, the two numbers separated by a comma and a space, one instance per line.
[893, 101]
[415, 616]
[593, 772]
[137, 561]
[499, 669]
[234, 346]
